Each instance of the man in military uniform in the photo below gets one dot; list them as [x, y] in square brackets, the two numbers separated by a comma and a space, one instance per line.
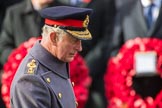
[42, 79]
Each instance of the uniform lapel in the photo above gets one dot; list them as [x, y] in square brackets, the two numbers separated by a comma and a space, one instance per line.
[139, 17]
[135, 21]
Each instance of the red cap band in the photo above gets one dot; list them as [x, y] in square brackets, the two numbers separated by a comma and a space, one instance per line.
[66, 22]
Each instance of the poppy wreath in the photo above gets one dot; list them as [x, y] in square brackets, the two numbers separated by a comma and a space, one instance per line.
[120, 71]
[79, 73]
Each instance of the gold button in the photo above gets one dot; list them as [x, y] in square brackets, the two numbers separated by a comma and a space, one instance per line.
[72, 83]
[48, 80]
[76, 103]
[60, 95]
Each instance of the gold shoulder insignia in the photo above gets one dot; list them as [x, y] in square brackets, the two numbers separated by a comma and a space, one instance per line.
[31, 66]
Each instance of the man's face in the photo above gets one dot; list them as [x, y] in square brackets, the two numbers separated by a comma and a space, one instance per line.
[67, 48]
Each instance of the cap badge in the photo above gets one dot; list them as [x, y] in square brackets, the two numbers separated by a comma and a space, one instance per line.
[86, 21]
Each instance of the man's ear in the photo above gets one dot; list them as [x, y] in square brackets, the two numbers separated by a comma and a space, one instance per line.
[53, 38]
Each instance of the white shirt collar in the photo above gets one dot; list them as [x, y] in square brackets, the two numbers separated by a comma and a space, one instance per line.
[146, 3]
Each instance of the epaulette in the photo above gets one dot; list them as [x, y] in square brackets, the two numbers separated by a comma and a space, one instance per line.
[31, 67]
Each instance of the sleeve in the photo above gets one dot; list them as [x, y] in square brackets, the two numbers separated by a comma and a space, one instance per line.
[117, 36]
[31, 92]
[6, 36]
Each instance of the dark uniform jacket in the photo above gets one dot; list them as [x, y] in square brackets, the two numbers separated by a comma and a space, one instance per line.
[42, 81]
[20, 23]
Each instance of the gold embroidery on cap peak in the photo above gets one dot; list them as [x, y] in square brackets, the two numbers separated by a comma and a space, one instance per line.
[80, 34]
[86, 21]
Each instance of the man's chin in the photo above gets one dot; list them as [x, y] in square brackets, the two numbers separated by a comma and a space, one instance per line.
[70, 59]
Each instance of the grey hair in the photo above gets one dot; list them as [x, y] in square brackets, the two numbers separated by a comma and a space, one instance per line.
[47, 30]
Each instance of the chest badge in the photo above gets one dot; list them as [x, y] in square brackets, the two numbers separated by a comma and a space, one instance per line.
[31, 66]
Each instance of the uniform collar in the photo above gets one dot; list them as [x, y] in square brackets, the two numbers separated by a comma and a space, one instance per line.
[49, 61]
